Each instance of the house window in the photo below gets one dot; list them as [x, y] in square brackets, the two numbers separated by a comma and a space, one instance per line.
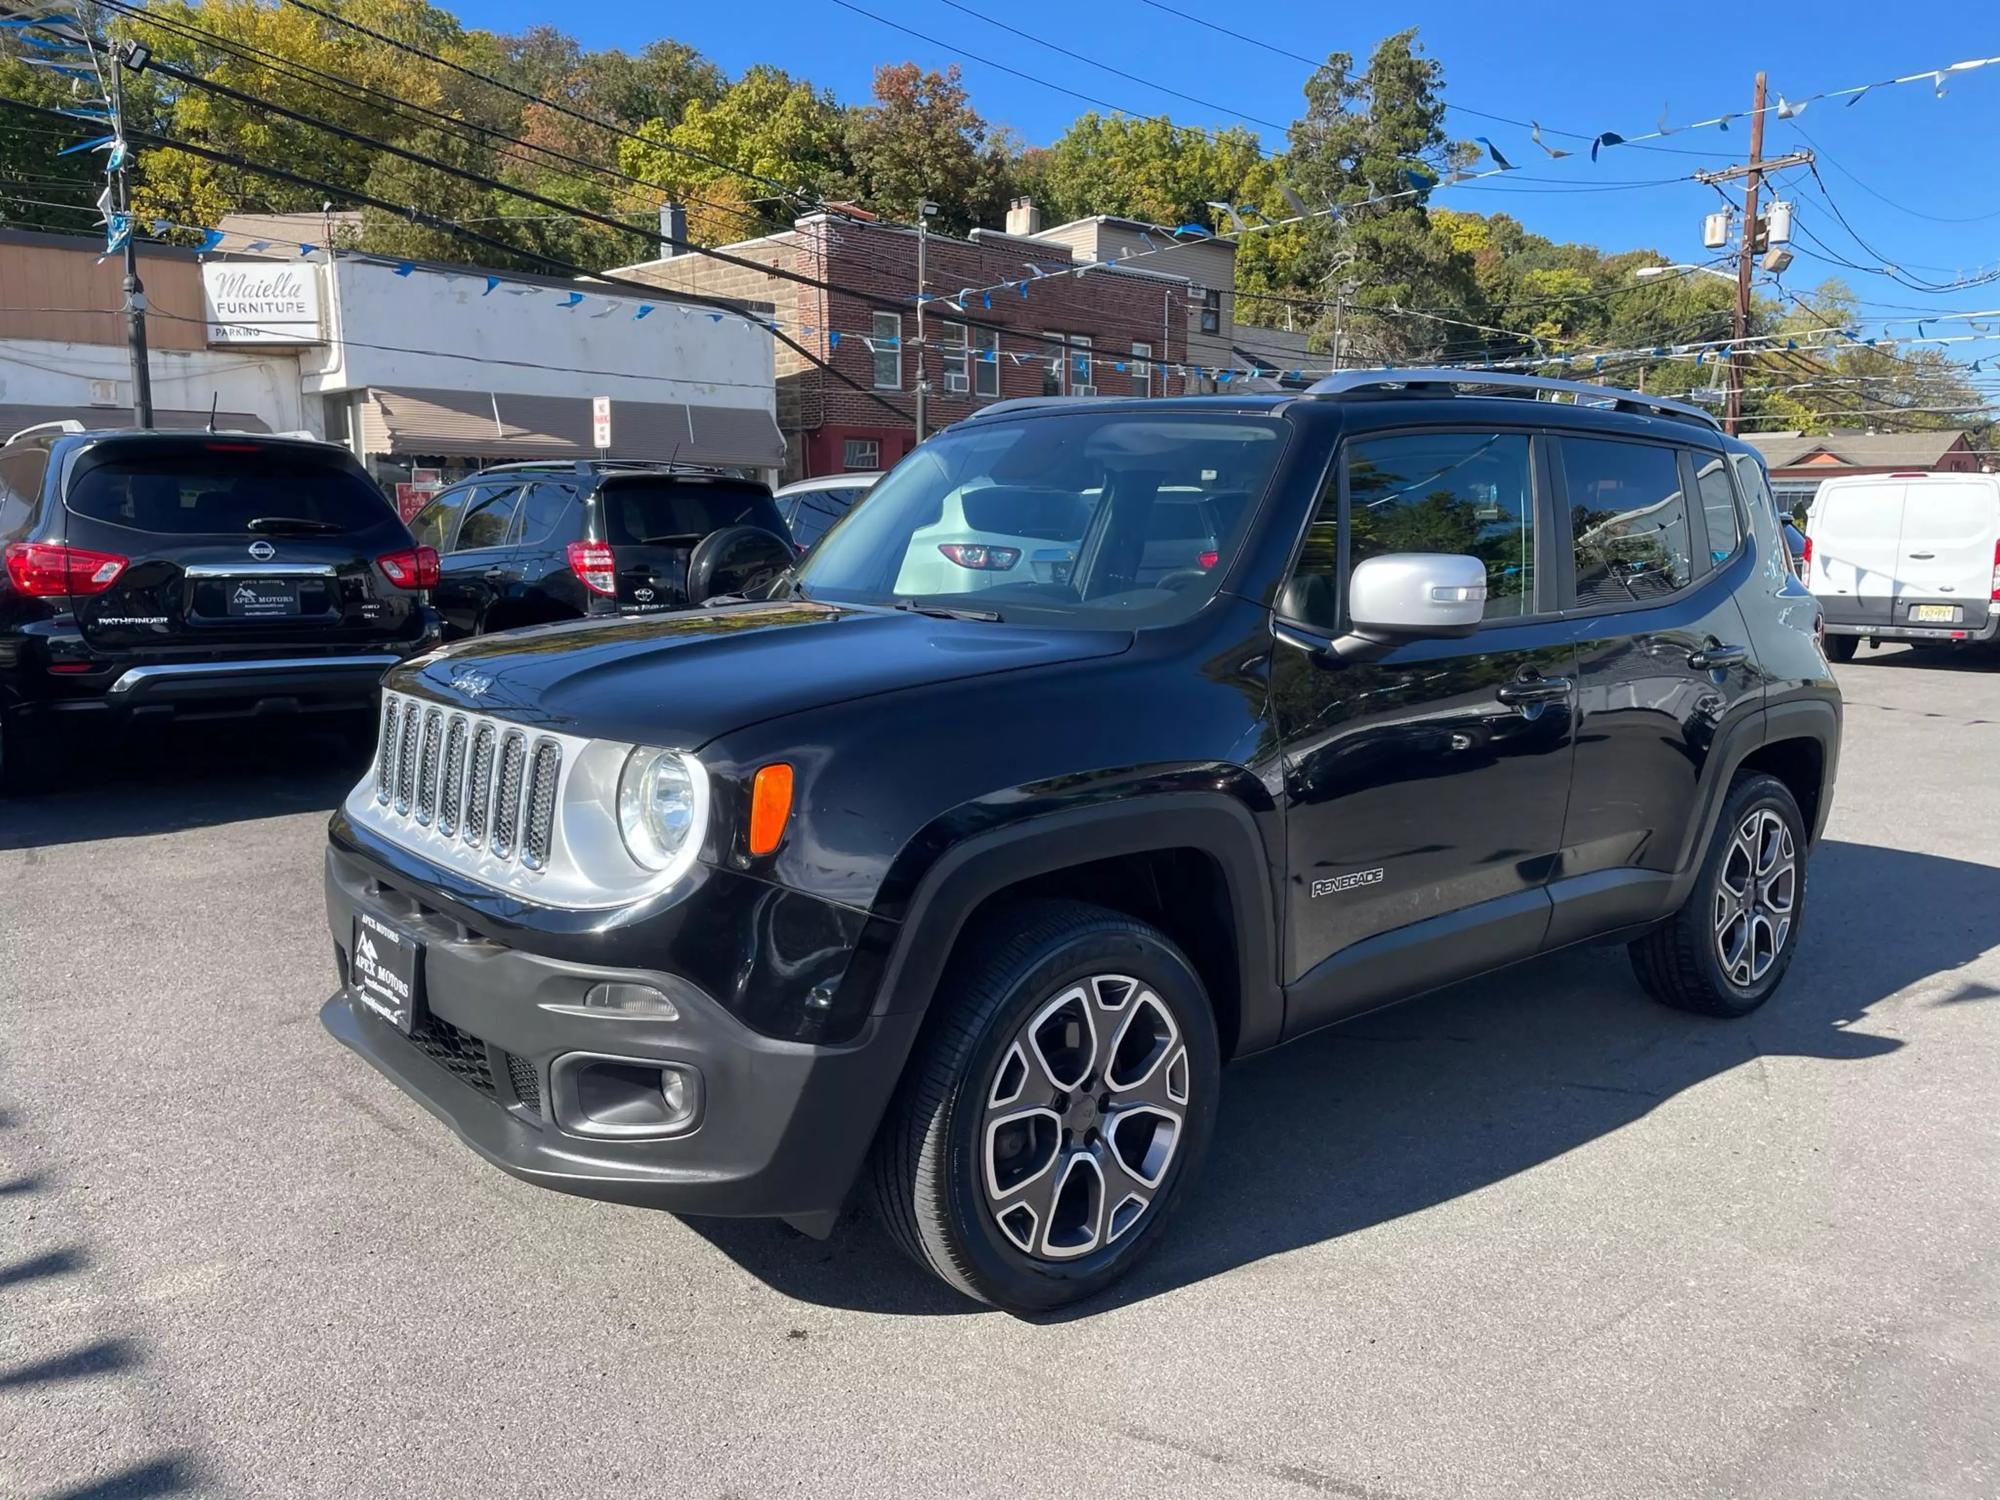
[957, 365]
[888, 356]
[1211, 310]
[1055, 368]
[1142, 369]
[861, 455]
[986, 361]
[1080, 381]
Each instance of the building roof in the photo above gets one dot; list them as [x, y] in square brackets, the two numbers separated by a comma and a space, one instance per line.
[1857, 450]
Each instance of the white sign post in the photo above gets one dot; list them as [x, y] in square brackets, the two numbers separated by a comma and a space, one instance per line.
[600, 423]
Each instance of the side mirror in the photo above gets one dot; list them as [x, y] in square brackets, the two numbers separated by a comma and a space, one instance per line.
[1401, 597]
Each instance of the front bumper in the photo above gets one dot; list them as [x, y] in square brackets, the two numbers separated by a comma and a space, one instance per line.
[782, 1129]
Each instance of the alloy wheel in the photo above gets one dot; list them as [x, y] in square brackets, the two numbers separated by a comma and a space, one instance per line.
[1083, 1118]
[1755, 891]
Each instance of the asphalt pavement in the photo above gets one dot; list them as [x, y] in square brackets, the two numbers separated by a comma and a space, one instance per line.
[1534, 1236]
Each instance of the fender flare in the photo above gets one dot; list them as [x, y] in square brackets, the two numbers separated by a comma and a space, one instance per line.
[973, 870]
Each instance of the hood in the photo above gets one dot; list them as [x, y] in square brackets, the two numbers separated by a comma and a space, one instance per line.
[682, 679]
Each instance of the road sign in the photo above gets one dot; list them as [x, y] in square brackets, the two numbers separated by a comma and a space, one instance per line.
[600, 421]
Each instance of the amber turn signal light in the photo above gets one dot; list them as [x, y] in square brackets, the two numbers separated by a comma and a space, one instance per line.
[770, 806]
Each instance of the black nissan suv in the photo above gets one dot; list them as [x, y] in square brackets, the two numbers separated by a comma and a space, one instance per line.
[532, 543]
[151, 577]
[959, 865]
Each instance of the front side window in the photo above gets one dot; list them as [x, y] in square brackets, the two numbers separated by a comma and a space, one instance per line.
[1464, 492]
[435, 523]
[1628, 521]
[488, 516]
[861, 455]
[986, 361]
[888, 351]
[1718, 506]
[1093, 518]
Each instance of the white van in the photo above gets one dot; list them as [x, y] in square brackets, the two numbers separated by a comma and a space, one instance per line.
[1905, 557]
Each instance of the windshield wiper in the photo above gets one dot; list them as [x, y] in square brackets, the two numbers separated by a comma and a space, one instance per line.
[300, 525]
[946, 612]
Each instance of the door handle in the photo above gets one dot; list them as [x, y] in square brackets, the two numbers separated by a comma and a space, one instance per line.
[495, 575]
[1530, 690]
[1923, 556]
[1713, 658]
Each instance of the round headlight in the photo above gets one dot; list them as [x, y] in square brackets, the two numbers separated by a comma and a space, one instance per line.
[662, 799]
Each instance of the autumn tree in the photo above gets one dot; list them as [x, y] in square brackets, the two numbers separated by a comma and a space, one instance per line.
[922, 138]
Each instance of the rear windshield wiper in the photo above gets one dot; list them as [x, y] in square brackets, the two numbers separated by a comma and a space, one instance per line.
[300, 525]
[946, 612]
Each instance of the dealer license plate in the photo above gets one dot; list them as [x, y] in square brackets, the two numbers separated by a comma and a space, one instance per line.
[1934, 614]
[263, 598]
[387, 970]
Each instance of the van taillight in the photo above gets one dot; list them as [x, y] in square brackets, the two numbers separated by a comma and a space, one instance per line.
[44, 569]
[1996, 570]
[414, 569]
[595, 567]
[1805, 564]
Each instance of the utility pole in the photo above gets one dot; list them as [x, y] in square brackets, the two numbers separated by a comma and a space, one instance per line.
[925, 208]
[1753, 240]
[1739, 362]
[135, 291]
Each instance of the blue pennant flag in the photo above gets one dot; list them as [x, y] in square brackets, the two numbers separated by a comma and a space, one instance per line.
[116, 232]
[1023, 287]
[1494, 151]
[102, 140]
[405, 267]
[305, 249]
[715, 317]
[158, 226]
[210, 238]
[990, 356]
[492, 282]
[255, 245]
[1118, 365]
[1194, 229]
[833, 338]
[571, 300]
[987, 298]
[644, 308]
[1609, 138]
[1422, 178]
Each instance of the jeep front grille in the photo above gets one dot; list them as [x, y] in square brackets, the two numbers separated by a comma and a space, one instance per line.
[472, 781]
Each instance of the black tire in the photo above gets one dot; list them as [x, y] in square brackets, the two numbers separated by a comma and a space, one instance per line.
[27, 758]
[1842, 647]
[931, 1169]
[1682, 963]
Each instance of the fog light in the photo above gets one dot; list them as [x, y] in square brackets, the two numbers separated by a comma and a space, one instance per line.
[631, 1000]
[624, 1097]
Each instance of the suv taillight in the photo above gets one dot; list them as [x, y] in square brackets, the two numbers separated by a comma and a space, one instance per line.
[979, 557]
[45, 569]
[414, 569]
[1805, 564]
[594, 565]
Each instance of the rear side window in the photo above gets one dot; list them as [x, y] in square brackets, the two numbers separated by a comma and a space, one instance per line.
[21, 471]
[641, 512]
[1464, 492]
[543, 508]
[1718, 506]
[1628, 521]
[214, 491]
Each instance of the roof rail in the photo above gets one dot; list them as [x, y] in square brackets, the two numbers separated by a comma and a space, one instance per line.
[67, 424]
[1447, 382]
[1030, 403]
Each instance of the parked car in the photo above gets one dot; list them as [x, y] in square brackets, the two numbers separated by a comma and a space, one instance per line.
[811, 506]
[1905, 557]
[160, 576]
[533, 543]
[966, 895]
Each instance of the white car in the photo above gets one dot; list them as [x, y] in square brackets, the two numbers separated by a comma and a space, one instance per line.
[1905, 557]
[811, 506]
[990, 534]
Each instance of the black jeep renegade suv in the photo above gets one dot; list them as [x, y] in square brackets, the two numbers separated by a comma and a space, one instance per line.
[962, 863]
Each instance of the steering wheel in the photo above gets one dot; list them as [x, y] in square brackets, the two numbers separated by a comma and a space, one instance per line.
[736, 560]
[1180, 578]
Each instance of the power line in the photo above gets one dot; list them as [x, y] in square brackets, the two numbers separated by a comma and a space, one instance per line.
[1914, 213]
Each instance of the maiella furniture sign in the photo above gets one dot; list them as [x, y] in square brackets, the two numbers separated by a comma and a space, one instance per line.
[260, 304]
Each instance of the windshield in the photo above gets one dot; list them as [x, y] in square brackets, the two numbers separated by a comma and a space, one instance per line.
[1117, 518]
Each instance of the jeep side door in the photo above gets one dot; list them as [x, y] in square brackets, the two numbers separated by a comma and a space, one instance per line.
[1650, 584]
[1425, 790]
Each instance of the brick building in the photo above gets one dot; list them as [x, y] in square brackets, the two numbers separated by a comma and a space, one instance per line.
[1067, 334]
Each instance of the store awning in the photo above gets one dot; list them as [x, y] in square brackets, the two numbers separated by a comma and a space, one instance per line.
[14, 418]
[495, 426]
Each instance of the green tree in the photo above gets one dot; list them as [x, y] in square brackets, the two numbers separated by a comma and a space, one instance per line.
[922, 138]
[38, 186]
[1150, 170]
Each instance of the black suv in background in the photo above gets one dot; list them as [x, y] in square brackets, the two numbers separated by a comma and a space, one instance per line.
[155, 576]
[967, 891]
[532, 543]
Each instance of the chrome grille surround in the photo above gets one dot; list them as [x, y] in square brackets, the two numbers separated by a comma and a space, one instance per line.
[525, 811]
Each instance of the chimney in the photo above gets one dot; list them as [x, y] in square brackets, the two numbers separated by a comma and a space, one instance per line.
[1023, 218]
[673, 226]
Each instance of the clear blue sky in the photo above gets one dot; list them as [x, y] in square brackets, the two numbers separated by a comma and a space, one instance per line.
[1596, 68]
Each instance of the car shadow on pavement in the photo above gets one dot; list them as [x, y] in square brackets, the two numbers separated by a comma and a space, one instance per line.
[189, 778]
[1410, 1107]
